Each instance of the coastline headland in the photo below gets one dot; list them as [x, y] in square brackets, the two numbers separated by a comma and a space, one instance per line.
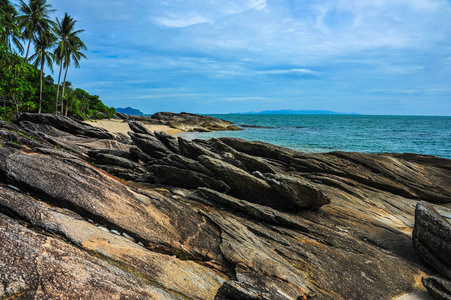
[183, 121]
[87, 213]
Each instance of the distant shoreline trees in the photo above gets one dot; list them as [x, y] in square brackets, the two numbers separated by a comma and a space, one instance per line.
[23, 86]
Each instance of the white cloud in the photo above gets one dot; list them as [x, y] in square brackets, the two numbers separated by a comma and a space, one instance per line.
[404, 69]
[249, 47]
[394, 91]
[245, 72]
[181, 21]
[162, 96]
[424, 91]
[291, 71]
[307, 31]
[244, 99]
[190, 12]
[258, 4]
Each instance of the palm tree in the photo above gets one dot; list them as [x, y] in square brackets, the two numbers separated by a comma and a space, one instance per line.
[59, 59]
[67, 37]
[10, 32]
[44, 42]
[34, 18]
[73, 54]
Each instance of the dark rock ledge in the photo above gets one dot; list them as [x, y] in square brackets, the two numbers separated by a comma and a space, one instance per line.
[183, 121]
[85, 214]
[432, 240]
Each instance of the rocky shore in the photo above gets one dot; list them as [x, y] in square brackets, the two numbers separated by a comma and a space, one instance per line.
[183, 121]
[88, 214]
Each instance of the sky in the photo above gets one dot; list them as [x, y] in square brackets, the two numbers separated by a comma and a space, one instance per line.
[225, 56]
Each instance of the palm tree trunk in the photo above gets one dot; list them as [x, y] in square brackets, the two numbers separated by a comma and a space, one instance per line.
[7, 40]
[40, 90]
[58, 89]
[66, 110]
[64, 85]
[28, 48]
[16, 103]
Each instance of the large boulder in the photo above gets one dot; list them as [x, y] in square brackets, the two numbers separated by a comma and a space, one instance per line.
[242, 184]
[184, 178]
[138, 127]
[109, 159]
[185, 163]
[115, 152]
[242, 160]
[170, 141]
[297, 192]
[276, 191]
[193, 122]
[65, 124]
[193, 150]
[149, 143]
[439, 288]
[256, 148]
[432, 238]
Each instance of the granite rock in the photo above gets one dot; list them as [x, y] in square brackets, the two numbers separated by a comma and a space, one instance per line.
[256, 221]
[432, 238]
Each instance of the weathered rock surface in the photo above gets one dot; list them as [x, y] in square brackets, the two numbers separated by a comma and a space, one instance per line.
[65, 124]
[182, 121]
[218, 219]
[150, 144]
[38, 266]
[184, 178]
[124, 253]
[432, 238]
[138, 127]
[440, 289]
[193, 122]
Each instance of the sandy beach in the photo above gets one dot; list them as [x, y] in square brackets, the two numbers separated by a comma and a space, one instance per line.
[119, 126]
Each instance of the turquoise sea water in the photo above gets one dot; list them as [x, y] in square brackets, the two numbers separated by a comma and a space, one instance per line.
[324, 133]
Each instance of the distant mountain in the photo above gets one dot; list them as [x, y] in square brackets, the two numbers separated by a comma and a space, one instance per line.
[129, 111]
[298, 112]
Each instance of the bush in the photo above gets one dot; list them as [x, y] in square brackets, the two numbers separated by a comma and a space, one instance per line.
[6, 113]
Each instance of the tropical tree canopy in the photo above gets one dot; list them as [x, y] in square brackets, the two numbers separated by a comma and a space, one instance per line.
[43, 55]
[9, 27]
[35, 18]
[23, 85]
[69, 46]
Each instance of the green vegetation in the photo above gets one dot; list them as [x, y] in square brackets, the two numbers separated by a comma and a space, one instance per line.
[23, 84]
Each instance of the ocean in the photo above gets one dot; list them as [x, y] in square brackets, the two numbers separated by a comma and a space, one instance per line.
[325, 133]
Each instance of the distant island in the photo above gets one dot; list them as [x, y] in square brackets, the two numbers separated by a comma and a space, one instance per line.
[129, 111]
[137, 112]
[297, 112]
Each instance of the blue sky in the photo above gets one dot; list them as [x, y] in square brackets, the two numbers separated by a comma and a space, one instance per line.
[212, 56]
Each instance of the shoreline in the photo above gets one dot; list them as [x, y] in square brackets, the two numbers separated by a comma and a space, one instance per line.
[121, 126]
[366, 134]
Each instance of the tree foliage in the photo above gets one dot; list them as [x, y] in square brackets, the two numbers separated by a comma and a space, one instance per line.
[68, 50]
[24, 86]
[16, 77]
[34, 18]
[9, 26]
